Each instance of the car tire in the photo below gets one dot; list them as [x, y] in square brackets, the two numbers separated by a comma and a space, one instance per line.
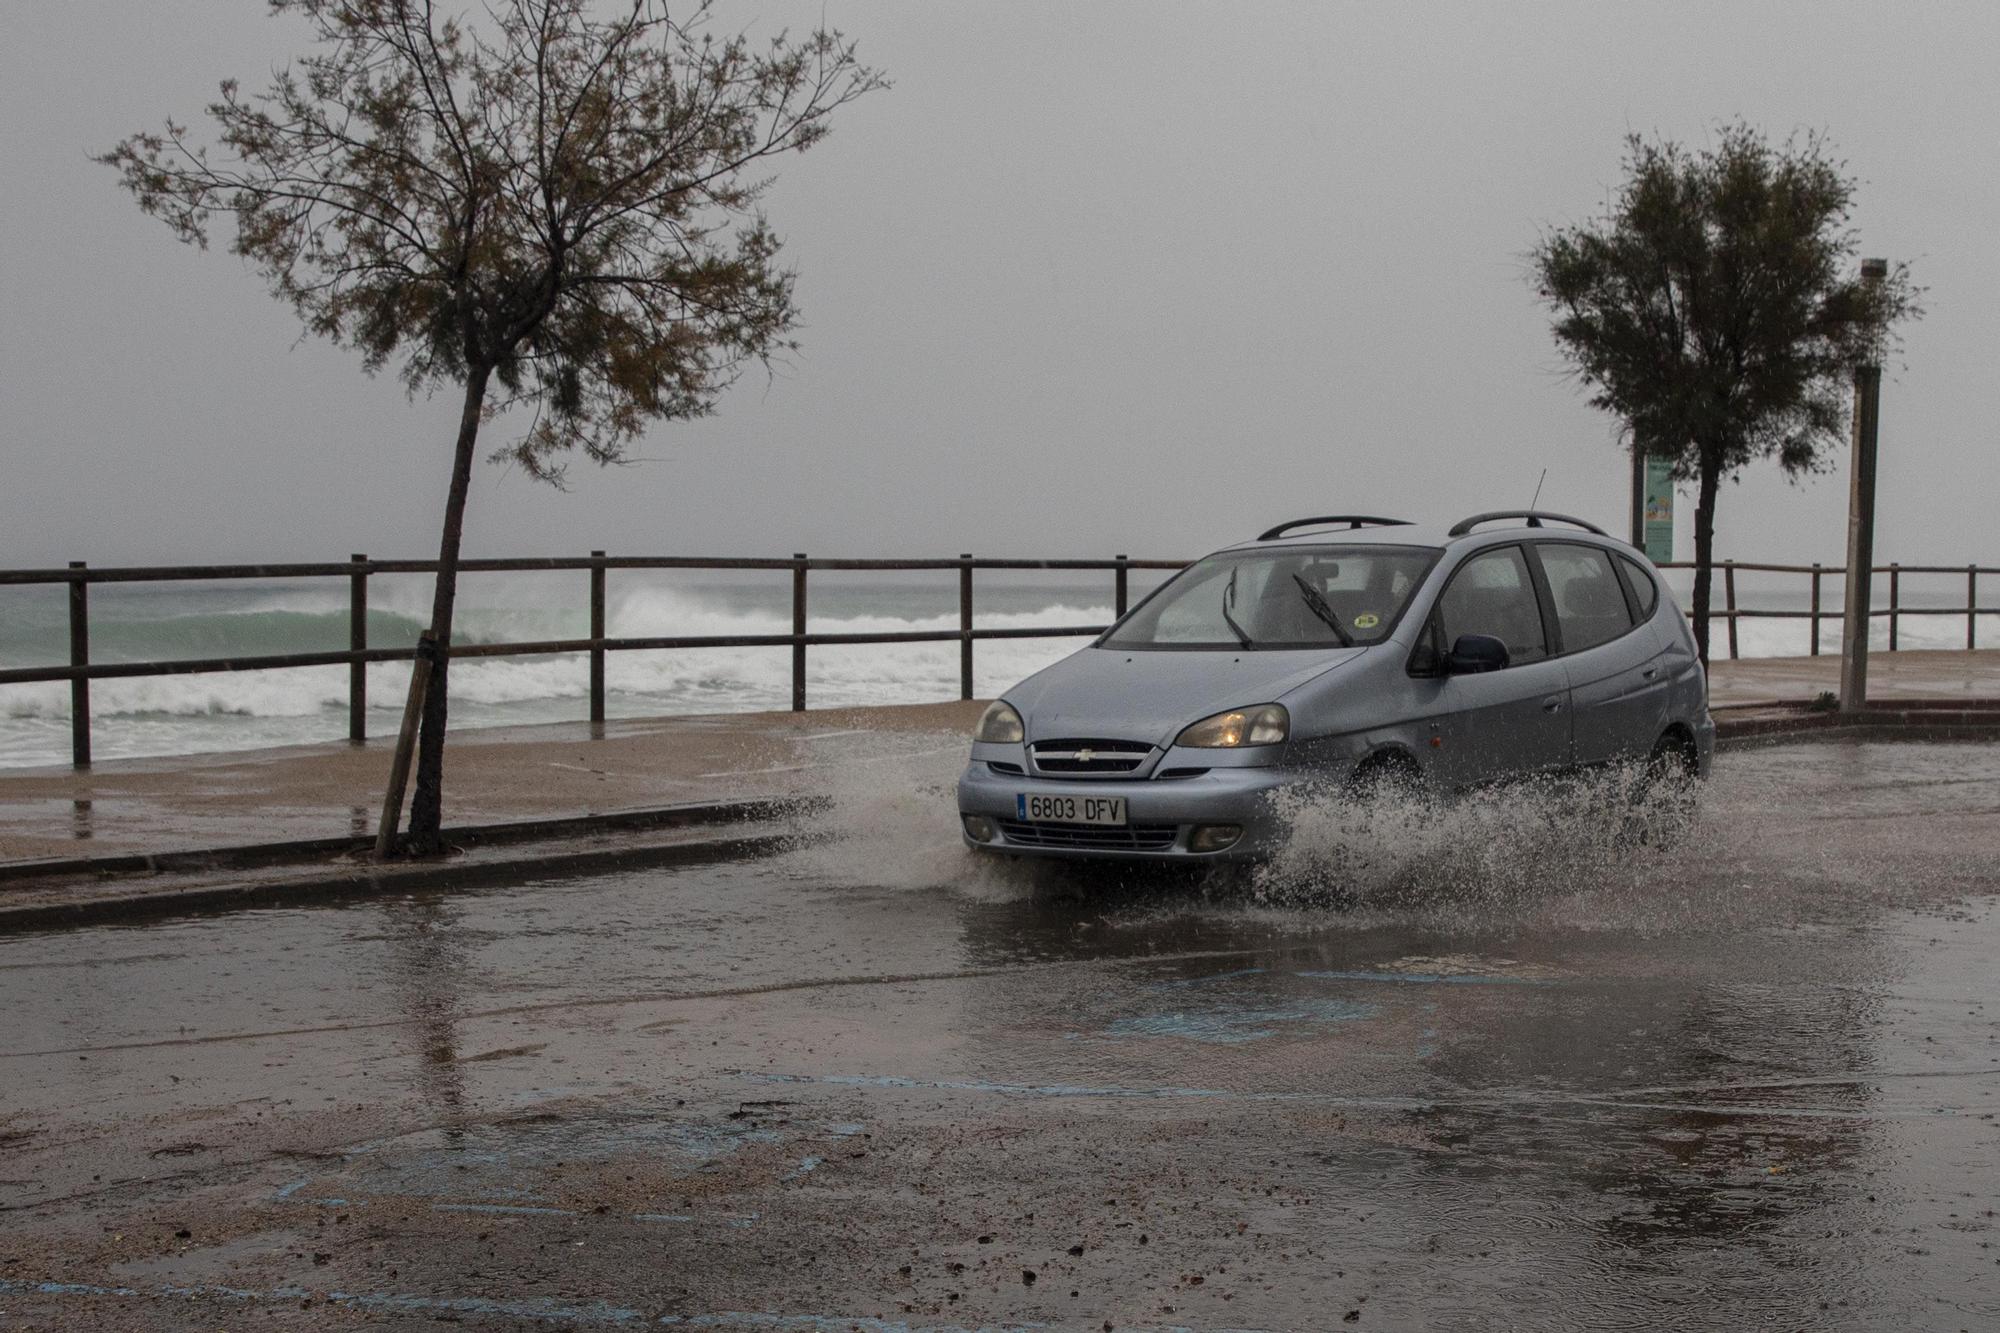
[1664, 798]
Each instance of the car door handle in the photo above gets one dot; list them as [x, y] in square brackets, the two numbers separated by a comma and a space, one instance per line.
[1650, 672]
[1552, 704]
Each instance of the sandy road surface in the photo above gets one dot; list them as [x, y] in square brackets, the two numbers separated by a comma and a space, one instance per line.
[1521, 1062]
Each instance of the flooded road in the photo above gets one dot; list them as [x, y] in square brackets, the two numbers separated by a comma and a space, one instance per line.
[1514, 1063]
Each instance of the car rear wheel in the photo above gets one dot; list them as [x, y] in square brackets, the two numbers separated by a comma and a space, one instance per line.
[1665, 797]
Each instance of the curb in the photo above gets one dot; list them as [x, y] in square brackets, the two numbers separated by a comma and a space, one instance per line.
[1915, 720]
[369, 879]
[265, 854]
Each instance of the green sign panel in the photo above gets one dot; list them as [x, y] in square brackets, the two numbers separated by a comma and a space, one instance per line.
[1659, 510]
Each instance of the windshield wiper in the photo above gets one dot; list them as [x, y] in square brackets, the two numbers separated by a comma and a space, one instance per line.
[1228, 599]
[1316, 603]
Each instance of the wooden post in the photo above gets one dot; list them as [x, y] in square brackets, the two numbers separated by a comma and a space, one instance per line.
[79, 656]
[799, 628]
[406, 746]
[1895, 601]
[965, 625]
[1815, 610]
[357, 639]
[1729, 596]
[1971, 606]
[597, 636]
[1861, 525]
[1118, 587]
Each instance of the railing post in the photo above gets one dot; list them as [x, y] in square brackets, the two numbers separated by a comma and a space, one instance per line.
[597, 636]
[1815, 610]
[1729, 596]
[1971, 606]
[357, 640]
[1119, 588]
[1895, 601]
[965, 625]
[79, 656]
[799, 629]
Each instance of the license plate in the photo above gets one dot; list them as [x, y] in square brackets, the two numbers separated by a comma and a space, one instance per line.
[1109, 810]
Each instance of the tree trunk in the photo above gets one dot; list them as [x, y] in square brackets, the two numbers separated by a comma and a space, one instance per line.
[1704, 550]
[427, 803]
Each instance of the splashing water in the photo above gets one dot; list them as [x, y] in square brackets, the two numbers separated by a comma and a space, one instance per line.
[1494, 849]
[889, 818]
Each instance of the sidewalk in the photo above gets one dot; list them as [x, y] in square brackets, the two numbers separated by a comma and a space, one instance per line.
[502, 775]
[492, 776]
[1892, 677]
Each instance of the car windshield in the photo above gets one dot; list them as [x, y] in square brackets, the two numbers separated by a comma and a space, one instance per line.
[1292, 597]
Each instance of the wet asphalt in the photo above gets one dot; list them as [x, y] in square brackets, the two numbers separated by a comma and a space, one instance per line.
[1528, 1061]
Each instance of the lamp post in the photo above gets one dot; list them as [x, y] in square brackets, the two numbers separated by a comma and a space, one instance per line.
[1861, 524]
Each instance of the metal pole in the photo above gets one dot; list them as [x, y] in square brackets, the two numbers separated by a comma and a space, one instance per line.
[597, 637]
[1729, 592]
[799, 628]
[1861, 525]
[1895, 602]
[1971, 606]
[357, 640]
[1815, 610]
[965, 625]
[1638, 496]
[79, 656]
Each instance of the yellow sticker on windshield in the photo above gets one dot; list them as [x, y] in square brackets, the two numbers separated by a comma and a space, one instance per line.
[1367, 620]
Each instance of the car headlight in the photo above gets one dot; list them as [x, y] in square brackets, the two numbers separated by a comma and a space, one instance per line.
[1000, 724]
[1266, 724]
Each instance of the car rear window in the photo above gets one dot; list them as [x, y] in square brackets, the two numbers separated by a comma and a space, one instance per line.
[1590, 606]
[1645, 588]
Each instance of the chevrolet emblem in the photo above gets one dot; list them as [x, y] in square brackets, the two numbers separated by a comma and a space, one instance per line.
[1085, 756]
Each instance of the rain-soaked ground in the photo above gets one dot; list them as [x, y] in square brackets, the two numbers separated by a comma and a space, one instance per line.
[1530, 1061]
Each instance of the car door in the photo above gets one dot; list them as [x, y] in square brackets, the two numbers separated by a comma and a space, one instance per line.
[1495, 724]
[1618, 685]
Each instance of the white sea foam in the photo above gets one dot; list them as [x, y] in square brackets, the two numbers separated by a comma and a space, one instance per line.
[502, 691]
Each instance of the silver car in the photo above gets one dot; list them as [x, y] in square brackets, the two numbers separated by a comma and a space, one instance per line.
[1341, 649]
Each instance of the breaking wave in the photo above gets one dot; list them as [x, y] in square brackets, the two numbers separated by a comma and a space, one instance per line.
[304, 704]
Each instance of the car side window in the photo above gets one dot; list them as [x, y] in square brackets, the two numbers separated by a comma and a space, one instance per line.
[1645, 591]
[1583, 584]
[1493, 594]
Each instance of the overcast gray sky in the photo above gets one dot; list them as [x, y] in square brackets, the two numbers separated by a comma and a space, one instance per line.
[1091, 278]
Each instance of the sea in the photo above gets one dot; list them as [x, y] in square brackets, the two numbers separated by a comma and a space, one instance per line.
[170, 715]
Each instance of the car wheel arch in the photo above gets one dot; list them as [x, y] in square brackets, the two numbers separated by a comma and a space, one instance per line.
[1391, 760]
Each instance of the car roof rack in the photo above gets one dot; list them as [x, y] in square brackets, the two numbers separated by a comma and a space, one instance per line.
[1535, 518]
[1353, 522]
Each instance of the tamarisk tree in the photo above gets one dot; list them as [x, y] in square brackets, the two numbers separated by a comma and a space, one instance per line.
[1715, 309]
[551, 209]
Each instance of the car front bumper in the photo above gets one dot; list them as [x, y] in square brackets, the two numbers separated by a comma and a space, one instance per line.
[1161, 814]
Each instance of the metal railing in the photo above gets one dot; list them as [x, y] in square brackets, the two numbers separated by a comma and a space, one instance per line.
[1732, 613]
[81, 671]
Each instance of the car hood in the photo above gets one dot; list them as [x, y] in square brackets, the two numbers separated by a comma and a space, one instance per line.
[1117, 694]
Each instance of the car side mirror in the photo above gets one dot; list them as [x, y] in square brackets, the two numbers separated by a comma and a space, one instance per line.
[1474, 653]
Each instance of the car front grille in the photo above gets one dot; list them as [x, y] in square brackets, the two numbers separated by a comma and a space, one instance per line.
[1089, 756]
[1088, 837]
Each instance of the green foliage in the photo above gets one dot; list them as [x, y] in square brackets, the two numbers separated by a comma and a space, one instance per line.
[1715, 308]
[562, 202]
